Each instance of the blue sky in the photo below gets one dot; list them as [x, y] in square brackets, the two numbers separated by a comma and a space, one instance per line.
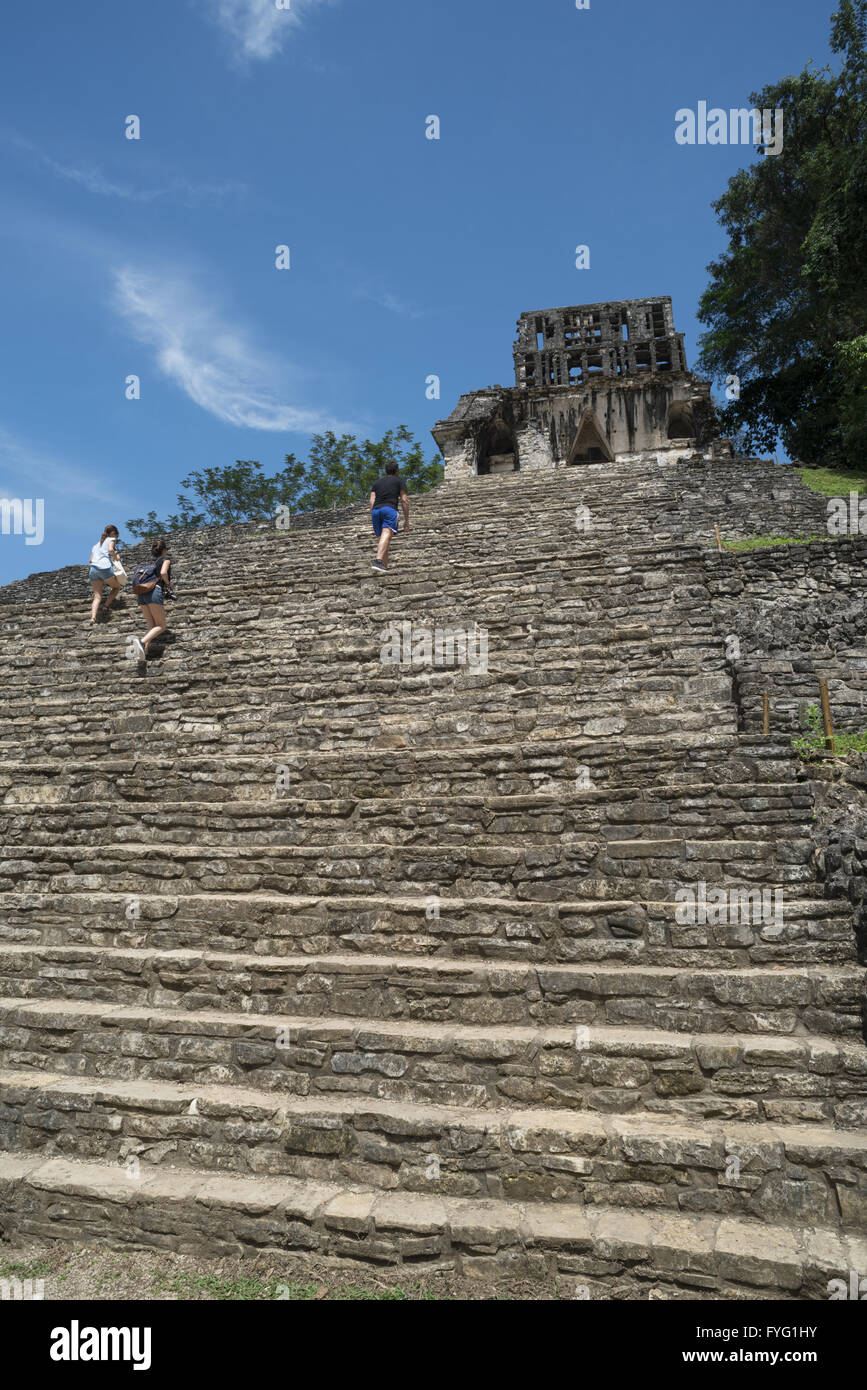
[409, 256]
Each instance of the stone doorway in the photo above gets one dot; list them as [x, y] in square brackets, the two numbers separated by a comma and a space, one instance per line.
[680, 423]
[498, 451]
[589, 444]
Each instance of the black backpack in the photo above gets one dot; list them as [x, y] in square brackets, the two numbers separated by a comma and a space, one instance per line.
[146, 578]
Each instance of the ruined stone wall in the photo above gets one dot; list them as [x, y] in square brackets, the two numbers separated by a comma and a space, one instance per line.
[459, 457]
[545, 425]
[798, 613]
[535, 449]
[592, 382]
[840, 791]
[633, 417]
[618, 338]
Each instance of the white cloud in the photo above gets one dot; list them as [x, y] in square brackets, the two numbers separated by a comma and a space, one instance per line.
[392, 302]
[208, 357]
[94, 181]
[89, 176]
[258, 27]
[29, 470]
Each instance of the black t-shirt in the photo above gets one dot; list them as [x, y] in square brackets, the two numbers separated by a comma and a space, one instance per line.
[387, 489]
[159, 561]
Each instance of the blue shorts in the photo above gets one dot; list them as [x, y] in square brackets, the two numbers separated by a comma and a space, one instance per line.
[384, 518]
[104, 575]
[155, 596]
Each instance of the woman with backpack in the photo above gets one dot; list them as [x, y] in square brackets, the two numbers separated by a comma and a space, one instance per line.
[102, 558]
[150, 584]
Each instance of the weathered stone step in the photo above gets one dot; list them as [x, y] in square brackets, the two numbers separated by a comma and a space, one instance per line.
[276, 676]
[791, 1173]
[797, 1079]
[579, 582]
[626, 606]
[659, 592]
[683, 746]
[279, 818]
[434, 546]
[516, 623]
[574, 869]
[393, 660]
[598, 1251]
[463, 514]
[475, 569]
[492, 713]
[386, 731]
[617, 811]
[672, 598]
[441, 990]
[551, 766]
[808, 932]
[623, 622]
[630, 585]
[386, 737]
[280, 681]
[618, 530]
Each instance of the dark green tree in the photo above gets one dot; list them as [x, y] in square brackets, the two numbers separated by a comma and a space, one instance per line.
[787, 301]
[339, 472]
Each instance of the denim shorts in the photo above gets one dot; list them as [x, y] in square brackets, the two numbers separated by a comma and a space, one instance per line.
[155, 596]
[104, 575]
[384, 518]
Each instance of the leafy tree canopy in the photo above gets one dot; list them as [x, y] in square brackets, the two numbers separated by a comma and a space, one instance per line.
[787, 300]
[338, 472]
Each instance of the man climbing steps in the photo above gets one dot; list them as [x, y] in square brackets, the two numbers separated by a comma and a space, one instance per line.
[387, 492]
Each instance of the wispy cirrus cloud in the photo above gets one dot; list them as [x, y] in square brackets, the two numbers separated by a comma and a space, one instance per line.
[28, 468]
[55, 504]
[404, 308]
[257, 27]
[210, 358]
[91, 178]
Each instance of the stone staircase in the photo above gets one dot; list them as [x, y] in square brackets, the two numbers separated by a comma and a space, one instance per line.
[305, 952]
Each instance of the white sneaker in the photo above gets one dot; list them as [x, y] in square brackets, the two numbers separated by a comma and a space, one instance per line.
[139, 646]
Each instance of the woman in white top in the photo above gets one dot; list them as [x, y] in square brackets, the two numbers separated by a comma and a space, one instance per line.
[102, 572]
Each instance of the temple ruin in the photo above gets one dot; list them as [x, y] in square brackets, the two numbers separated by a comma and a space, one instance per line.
[593, 382]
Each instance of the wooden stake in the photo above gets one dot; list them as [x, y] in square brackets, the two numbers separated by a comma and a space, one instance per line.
[766, 714]
[718, 539]
[826, 715]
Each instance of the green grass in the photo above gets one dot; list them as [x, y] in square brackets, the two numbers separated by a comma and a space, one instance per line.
[833, 482]
[760, 542]
[829, 482]
[28, 1269]
[811, 745]
[246, 1289]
